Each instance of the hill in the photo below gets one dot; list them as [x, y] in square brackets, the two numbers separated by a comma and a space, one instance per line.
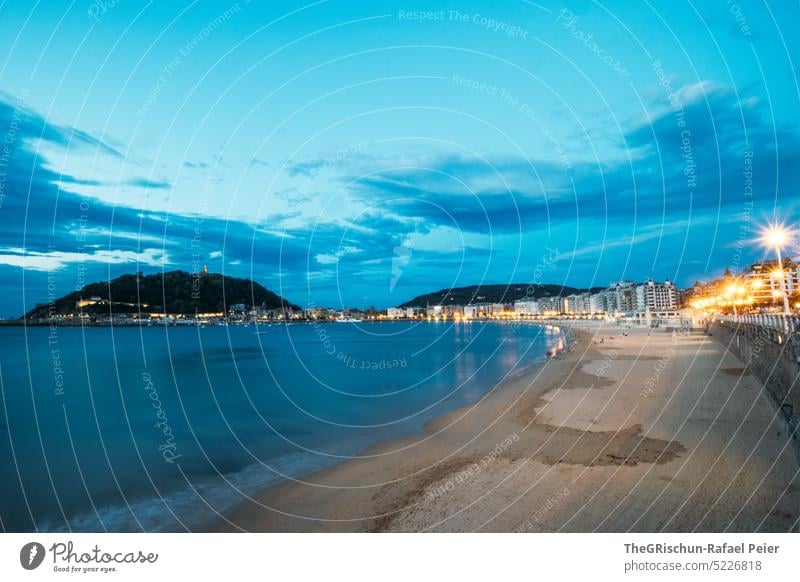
[171, 292]
[490, 294]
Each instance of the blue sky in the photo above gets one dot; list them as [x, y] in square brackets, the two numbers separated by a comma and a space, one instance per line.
[348, 153]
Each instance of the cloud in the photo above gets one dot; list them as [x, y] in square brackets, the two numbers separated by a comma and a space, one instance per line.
[148, 184]
[326, 259]
[48, 227]
[668, 205]
[66, 180]
[195, 165]
[685, 164]
[260, 162]
[645, 233]
[56, 260]
[693, 93]
[333, 258]
[35, 126]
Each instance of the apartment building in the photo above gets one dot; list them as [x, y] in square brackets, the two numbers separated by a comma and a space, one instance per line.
[653, 296]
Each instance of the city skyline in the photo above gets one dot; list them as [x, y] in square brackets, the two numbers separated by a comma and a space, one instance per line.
[399, 161]
[759, 286]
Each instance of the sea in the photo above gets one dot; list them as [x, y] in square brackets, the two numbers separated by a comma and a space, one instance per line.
[168, 428]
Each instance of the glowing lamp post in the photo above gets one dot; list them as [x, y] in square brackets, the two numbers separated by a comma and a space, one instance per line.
[776, 237]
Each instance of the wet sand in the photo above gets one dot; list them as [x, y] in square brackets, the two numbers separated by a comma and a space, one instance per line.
[645, 432]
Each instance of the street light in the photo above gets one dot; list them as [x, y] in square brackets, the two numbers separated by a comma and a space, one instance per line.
[776, 236]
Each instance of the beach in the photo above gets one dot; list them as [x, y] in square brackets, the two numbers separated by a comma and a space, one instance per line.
[626, 430]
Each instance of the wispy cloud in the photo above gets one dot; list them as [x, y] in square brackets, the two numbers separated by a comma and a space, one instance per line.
[472, 216]
[56, 260]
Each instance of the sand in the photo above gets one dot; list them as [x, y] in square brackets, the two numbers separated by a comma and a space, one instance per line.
[643, 432]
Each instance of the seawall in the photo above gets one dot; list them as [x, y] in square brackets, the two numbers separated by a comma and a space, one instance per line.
[773, 356]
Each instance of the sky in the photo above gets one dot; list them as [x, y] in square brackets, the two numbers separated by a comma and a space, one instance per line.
[361, 153]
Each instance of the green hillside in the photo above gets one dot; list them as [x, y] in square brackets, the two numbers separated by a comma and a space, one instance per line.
[173, 292]
[489, 294]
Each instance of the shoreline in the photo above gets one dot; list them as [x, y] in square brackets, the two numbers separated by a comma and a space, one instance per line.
[642, 432]
[161, 323]
[428, 429]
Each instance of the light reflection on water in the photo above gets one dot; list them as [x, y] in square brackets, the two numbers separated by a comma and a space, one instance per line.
[244, 410]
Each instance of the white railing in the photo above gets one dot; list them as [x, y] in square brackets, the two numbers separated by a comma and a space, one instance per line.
[787, 324]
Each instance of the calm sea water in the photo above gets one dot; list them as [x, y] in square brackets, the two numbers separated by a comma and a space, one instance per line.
[131, 429]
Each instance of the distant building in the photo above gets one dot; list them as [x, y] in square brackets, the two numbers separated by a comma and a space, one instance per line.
[653, 296]
[621, 297]
[578, 303]
[395, 312]
[764, 280]
[476, 310]
[495, 309]
[319, 313]
[526, 307]
[550, 305]
[453, 310]
[597, 302]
